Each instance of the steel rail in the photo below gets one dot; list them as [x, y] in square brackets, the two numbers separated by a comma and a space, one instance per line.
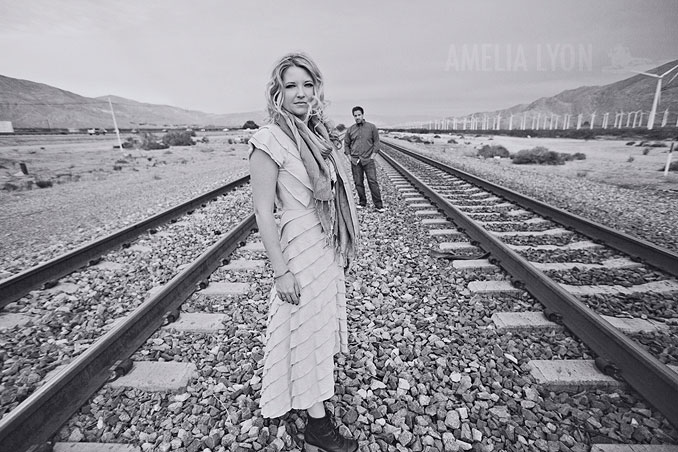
[38, 417]
[15, 287]
[656, 382]
[649, 253]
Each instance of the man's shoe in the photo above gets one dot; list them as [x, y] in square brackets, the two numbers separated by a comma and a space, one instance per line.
[381, 210]
[360, 206]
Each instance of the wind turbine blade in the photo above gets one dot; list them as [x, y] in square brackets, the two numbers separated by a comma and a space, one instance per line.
[672, 78]
[669, 70]
[646, 73]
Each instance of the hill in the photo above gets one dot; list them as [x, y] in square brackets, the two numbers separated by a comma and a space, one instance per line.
[29, 104]
[632, 94]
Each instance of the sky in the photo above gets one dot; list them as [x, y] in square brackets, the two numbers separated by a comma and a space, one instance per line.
[396, 58]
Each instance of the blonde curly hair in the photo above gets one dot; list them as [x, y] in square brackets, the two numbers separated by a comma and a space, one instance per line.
[274, 87]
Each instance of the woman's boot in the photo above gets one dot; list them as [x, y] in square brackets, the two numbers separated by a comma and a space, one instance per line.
[322, 436]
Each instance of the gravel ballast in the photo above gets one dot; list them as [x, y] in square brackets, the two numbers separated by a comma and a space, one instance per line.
[426, 370]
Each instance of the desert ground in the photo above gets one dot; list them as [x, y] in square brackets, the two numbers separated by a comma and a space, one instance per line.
[89, 188]
[609, 161]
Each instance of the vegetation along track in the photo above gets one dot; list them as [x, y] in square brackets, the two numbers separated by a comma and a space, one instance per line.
[579, 273]
[430, 367]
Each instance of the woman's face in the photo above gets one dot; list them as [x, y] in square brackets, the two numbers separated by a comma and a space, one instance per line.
[297, 91]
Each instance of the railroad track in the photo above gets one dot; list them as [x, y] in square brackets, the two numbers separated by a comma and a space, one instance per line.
[67, 303]
[506, 224]
[415, 377]
[15, 287]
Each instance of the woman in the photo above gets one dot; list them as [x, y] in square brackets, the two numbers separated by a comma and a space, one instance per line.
[296, 167]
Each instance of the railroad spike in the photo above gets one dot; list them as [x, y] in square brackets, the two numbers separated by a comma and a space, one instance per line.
[190, 212]
[517, 284]
[203, 283]
[94, 261]
[225, 261]
[553, 316]
[120, 368]
[153, 231]
[607, 367]
[49, 284]
[126, 245]
[171, 316]
[217, 232]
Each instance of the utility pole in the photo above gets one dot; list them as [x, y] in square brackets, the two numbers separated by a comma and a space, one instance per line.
[668, 161]
[115, 123]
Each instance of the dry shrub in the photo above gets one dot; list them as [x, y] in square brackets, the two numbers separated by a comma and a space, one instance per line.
[149, 142]
[488, 151]
[538, 155]
[43, 183]
[176, 138]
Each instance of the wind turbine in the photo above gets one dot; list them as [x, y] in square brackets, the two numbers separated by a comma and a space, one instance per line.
[653, 112]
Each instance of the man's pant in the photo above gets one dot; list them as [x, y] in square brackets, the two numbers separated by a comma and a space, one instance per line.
[368, 169]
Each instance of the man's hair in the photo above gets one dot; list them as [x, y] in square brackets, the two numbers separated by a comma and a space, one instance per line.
[357, 108]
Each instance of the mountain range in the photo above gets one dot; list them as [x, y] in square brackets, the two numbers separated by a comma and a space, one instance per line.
[628, 95]
[30, 104]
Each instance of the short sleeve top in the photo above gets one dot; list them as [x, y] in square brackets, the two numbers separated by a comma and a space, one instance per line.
[293, 187]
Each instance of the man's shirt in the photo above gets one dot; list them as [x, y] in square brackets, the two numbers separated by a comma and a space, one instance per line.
[361, 141]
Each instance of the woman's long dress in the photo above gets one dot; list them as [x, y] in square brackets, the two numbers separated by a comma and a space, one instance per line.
[301, 340]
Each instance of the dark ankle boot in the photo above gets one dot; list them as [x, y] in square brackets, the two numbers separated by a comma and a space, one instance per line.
[322, 436]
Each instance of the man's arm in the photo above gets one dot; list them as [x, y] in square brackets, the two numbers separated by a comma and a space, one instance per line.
[375, 141]
[347, 142]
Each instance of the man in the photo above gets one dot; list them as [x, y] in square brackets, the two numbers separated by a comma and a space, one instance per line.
[360, 144]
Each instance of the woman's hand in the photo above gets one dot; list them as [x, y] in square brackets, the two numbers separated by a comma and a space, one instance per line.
[288, 288]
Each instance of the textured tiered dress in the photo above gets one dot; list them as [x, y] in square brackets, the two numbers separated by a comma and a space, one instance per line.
[301, 340]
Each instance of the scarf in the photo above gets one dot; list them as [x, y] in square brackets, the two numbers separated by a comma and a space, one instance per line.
[334, 203]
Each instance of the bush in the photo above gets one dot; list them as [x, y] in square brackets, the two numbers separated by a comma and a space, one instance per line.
[630, 143]
[249, 124]
[130, 143]
[579, 156]
[340, 127]
[452, 141]
[43, 183]
[176, 138]
[630, 159]
[149, 142]
[672, 167]
[488, 151]
[646, 151]
[539, 155]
